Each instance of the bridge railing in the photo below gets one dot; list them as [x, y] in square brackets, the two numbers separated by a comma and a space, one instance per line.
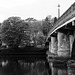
[69, 14]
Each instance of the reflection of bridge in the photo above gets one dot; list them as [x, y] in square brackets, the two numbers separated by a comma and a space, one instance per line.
[62, 34]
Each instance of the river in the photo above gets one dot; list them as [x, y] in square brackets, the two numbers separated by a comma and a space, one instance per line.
[34, 65]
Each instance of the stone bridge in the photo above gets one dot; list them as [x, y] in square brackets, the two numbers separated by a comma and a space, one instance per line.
[61, 36]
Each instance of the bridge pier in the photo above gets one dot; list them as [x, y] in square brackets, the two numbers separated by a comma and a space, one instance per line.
[71, 43]
[50, 46]
[53, 45]
[63, 45]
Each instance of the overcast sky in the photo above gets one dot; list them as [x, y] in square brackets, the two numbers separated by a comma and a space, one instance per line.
[37, 9]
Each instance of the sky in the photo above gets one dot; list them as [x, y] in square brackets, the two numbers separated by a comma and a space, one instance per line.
[37, 9]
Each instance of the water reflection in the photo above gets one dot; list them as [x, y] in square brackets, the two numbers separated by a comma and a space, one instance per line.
[71, 70]
[34, 66]
[58, 68]
[21, 67]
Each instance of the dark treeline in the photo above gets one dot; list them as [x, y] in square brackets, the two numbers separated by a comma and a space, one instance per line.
[15, 32]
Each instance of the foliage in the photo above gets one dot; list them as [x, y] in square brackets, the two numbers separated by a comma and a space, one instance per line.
[17, 32]
[48, 18]
[46, 27]
[40, 39]
[48, 24]
[35, 27]
[13, 31]
[55, 20]
[30, 19]
[25, 39]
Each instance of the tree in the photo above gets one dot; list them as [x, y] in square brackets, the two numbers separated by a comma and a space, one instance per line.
[30, 19]
[35, 27]
[40, 38]
[25, 39]
[13, 31]
[55, 20]
[48, 24]
[46, 27]
[48, 18]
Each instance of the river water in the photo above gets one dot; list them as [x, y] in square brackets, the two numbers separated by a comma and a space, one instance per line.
[33, 65]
